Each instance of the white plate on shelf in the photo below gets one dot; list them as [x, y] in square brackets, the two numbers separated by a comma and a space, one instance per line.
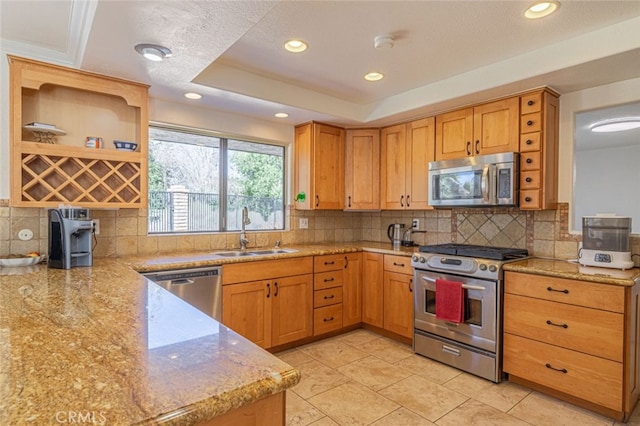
[38, 129]
[21, 261]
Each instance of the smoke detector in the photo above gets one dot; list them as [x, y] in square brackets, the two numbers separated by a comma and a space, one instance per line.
[383, 42]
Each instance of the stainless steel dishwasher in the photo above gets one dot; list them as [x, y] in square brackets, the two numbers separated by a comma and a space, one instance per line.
[200, 287]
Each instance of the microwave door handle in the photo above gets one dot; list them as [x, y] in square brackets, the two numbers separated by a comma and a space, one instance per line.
[484, 186]
[493, 184]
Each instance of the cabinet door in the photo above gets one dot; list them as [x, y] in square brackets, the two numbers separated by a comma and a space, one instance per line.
[292, 300]
[398, 303]
[328, 162]
[352, 289]
[362, 170]
[246, 308]
[496, 127]
[421, 148]
[303, 172]
[372, 289]
[394, 157]
[454, 132]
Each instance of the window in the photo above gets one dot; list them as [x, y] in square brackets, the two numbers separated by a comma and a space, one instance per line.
[199, 182]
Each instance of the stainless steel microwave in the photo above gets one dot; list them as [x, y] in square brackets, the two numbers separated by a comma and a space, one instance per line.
[482, 181]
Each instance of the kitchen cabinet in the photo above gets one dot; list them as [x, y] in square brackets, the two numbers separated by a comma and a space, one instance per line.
[398, 295]
[352, 289]
[539, 124]
[319, 166]
[489, 128]
[269, 302]
[328, 293]
[362, 170]
[373, 289]
[50, 167]
[406, 150]
[575, 339]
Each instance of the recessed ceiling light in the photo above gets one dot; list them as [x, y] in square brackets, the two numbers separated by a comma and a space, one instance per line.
[153, 52]
[295, 46]
[374, 76]
[541, 9]
[281, 114]
[193, 95]
[616, 124]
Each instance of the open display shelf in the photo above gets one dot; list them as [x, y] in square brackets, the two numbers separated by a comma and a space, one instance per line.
[47, 172]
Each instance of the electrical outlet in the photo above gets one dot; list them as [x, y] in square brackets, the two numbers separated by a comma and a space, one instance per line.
[304, 223]
[96, 226]
[25, 234]
[415, 224]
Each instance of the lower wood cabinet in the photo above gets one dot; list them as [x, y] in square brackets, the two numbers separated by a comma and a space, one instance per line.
[574, 339]
[273, 310]
[372, 289]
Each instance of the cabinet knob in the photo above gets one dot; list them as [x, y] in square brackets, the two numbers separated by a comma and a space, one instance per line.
[527, 199]
[529, 142]
[528, 161]
[530, 103]
[528, 180]
[530, 123]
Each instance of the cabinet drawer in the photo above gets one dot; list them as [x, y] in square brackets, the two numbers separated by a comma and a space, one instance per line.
[327, 297]
[584, 376]
[530, 142]
[592, 331]
[399, 264]
[330, 262]
[266, 269]
[530, 199]
[530, 103]
[530, 161]
[574, 292]
[327, 319]
[530, 180]
[327, 280]
[531, 122]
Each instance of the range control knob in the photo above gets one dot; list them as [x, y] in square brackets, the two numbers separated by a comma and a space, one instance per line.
[422, 259]
[414, 258]
[493, 268]
[483, 267]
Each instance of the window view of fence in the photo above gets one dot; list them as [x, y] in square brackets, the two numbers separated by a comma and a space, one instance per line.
[185, 183]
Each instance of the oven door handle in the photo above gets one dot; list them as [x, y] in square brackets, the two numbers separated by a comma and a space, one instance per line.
[465, 286]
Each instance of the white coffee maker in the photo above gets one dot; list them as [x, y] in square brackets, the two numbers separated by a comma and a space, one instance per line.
[606, 241]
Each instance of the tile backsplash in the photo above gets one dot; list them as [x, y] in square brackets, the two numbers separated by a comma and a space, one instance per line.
[124, 232]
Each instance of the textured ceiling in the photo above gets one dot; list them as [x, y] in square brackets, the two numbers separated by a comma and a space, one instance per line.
[446, 52]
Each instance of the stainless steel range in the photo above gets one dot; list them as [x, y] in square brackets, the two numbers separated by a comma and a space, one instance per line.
[475, 343]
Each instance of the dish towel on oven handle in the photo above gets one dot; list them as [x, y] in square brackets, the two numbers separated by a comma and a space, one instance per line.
[449, 301]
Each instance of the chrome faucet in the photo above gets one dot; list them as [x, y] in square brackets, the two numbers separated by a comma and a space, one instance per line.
[243, 235]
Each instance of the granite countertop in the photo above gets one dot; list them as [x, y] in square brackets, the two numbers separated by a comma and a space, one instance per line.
[200, 259]
[104, 342]
[574, 271]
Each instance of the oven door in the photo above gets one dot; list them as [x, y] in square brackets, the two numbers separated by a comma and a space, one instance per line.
[479, 328]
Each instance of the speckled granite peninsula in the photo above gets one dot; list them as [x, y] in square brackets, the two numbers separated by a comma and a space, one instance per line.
[104, 344]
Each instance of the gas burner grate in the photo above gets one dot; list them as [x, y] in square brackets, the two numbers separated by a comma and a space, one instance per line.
[482, 252]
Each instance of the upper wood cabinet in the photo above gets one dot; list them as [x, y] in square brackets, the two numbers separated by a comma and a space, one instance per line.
[81, 104]
[362, 170]
[489, 128]
[406, 150]
[319, 166]
[539, 124]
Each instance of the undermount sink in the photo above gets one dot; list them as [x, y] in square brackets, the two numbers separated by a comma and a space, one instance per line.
[241, 253]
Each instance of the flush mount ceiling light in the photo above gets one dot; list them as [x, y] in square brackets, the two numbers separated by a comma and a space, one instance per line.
[153, 52]
[193, 95]
[295, 46]
[616, 124]
[281, 114]
[373, 76]
[541, 9]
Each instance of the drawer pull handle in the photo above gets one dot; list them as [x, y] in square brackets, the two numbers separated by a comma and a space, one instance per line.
[530, 103]
[328, 319]
[528, 200]
[529, 160]
[528, 180]
[398, 264]
[551, 367]
[268, 291]
[328, 280]
[565, 291]
[329, 297]
[530, 123]
[557, 325]
[330, 263]
[529, 142]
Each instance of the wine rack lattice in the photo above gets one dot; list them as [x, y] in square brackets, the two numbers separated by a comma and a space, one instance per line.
[50, 178]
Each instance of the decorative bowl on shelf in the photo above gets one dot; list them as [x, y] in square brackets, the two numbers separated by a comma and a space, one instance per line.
[125, 146]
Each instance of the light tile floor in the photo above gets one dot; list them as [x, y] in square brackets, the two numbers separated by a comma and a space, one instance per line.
[362, 378]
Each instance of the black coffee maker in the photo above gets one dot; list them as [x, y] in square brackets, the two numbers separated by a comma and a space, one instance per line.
[70, 232]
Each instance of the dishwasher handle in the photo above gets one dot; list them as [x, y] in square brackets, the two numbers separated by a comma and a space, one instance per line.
[183, 274]
[181, 281]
